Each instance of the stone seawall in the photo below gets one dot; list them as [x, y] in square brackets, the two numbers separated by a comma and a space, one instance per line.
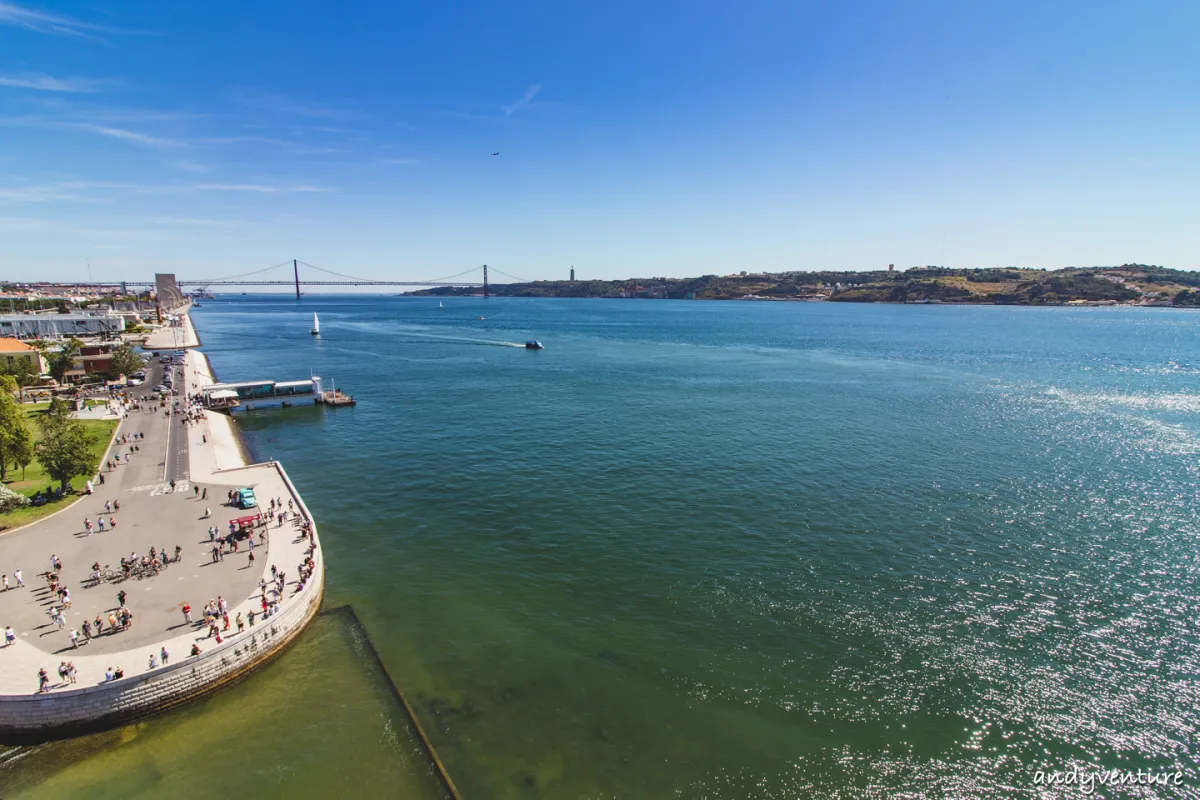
[32, 718]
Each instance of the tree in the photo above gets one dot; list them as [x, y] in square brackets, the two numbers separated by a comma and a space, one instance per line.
[23, 372]
[61, 360]
[65, 448]
[125, 361]
[16, 443]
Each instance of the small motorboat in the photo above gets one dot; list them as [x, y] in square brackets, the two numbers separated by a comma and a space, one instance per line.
[483, 317]
[533, 344]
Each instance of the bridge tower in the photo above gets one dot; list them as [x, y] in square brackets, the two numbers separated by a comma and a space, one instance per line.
[296, 272]
[485, 287]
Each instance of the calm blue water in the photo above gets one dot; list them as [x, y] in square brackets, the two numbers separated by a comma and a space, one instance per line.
[755, 550]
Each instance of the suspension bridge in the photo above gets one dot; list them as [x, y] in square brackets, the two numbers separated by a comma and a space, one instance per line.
[476, 276]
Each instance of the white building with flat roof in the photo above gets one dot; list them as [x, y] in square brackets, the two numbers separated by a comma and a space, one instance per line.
[51, 326]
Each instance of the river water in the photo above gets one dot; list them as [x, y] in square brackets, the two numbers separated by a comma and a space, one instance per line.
[712, 550]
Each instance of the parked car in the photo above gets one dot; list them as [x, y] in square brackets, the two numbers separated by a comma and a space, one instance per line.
[245, 498]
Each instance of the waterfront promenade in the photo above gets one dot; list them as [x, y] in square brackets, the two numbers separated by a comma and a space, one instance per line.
[174, 337]
[150, 514]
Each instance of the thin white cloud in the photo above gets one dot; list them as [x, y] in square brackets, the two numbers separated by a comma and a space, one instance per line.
[46, 83]
[102, 191]
[524, 102]
[116, 114]
[25, 224]
[255, 187]
[54, 24]
[66, 191]
[297, 148]
[187, 165]
[400, 162]
[131, 136]
[298, 108]
[198, 222]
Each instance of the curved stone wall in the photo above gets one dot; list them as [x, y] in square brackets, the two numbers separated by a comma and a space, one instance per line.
[32, 718]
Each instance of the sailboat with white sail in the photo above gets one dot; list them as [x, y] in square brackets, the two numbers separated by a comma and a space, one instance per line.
[316, 328]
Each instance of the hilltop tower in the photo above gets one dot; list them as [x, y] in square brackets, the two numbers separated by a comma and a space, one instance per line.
[572, 273]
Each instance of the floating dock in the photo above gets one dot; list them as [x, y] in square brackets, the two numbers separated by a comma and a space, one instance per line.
[336, 398]
[228, 396]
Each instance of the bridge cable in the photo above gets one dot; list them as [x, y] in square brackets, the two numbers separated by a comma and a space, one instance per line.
[338, 274]
[367, 280]
[244, 274]
[514, 277]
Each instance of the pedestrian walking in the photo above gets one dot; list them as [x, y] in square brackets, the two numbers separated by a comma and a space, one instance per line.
[166, 657]
[204, 494]
[4, 581]
[250, 565]
[187, 613]
[100, 524]
[241, 623]
[121, 595]
[195, 491]
[74, 634]
[116, 505]
[10, 637]
[99, 624]
[153, 662]
[43, 680]
[87, 630]
[226, 618]
[251, 617]
[20, 580]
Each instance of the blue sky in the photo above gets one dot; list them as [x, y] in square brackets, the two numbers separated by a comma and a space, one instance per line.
[635, 138]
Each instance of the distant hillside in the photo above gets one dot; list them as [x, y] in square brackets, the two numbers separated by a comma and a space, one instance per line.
[1128, 284]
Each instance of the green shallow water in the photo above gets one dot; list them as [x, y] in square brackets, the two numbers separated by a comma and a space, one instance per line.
[736, 549]
[352, 733]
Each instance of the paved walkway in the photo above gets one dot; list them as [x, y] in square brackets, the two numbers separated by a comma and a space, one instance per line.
[150, 515]
[168, 337]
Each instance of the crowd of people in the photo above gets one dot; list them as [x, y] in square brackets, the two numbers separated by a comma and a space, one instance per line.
[216, 620]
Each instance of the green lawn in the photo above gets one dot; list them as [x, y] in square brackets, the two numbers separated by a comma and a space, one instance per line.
[36, 478]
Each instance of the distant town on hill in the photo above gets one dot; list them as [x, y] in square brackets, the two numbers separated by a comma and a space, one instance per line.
[1128, 284]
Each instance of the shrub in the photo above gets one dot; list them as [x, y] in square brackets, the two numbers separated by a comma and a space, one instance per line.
[10, 500]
